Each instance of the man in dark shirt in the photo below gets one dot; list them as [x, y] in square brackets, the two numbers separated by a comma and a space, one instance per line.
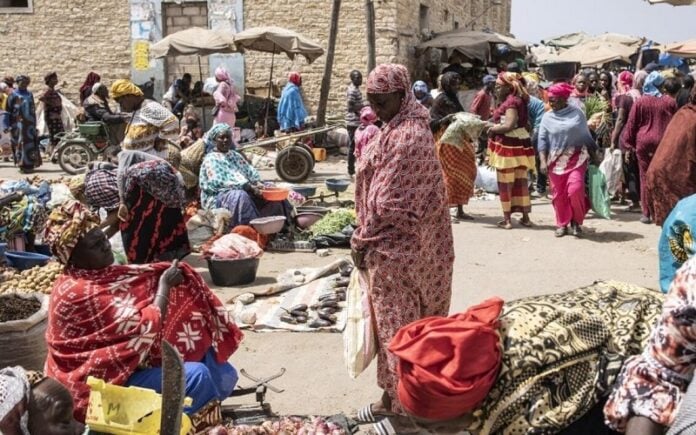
[97, 109]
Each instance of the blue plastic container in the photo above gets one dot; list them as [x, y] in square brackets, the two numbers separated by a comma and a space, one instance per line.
[305, 191]
[25, 260]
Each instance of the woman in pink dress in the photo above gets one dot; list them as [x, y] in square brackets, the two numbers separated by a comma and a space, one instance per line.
[226, 98]
[404, 237]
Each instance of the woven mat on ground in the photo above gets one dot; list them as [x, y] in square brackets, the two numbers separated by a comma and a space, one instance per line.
[268, 310]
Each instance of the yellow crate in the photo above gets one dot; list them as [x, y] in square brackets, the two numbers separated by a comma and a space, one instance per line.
[126, 411]
[319, 154]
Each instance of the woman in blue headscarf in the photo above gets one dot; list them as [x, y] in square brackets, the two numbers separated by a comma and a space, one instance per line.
[422, 94]
[192, 157]
[647, 122]
[677, 243]
[291, 108]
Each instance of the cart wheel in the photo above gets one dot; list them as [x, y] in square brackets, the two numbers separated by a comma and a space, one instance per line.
[294, 164]
[73, 157]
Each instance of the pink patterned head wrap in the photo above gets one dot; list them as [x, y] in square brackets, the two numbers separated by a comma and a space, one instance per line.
[295, 78]
[625, 82]
[561, 90]
[368, 116]
[388, 78]
[222, 75]
[514, 81]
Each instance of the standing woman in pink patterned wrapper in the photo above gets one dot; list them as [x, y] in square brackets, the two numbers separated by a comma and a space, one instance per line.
[403, 241]
[226, 98]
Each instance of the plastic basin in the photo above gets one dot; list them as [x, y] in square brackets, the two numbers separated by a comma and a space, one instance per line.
[268, 225]
[25, 260]
[228, 273]
[275, 194]
[313, 209]
[306, 220]
[305, 191]
[336, 185]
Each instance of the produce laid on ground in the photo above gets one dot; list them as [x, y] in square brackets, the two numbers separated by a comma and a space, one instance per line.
[334, 222]
[36, 279]
[13, 307]
[284, 426]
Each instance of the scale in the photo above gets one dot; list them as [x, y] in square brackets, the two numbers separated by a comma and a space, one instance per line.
[334, 185]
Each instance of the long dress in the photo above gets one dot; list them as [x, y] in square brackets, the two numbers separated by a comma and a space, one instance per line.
[291, 109]
[21, 120]
[226, 100]
[646, 125]
[672, 172]
[512, 155]
[404, 230]
[458, 160]
[53, 110]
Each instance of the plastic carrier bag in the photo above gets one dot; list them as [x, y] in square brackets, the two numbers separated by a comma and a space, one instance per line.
[598, 193]
[359, 337]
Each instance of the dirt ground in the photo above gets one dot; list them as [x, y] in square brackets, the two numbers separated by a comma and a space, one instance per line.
[490, 262]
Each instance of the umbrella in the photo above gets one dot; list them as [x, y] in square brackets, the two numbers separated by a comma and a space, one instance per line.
[195, 40]
[596, 53]
[472, 44]
[277, 40]
[683, 49]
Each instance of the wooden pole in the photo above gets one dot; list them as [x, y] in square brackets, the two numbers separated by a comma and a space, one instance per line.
[200, 73]
[330, 52]
[268, 100]
[371, 38]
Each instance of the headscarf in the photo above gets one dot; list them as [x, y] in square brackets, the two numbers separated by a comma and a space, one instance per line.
[420, 86]
[514, 81]
[3, 86]
[654, 80]
[639, 80]
[123, 87]
[447, 365]
[488, 79]
[561, 90]
[67, 224]
[447, 79]
[96, 87]
[213, 133]
[50, 76]
[222, 75]
[295, 78]
[625, 82]
[677, 244]
[90, 81]
[15, 394]
[368, 116]
[388, 78]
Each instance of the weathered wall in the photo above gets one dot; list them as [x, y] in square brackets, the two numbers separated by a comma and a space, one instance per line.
[71, 37]
[178, 17]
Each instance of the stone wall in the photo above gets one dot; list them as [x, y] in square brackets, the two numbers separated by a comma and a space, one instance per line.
[397, 32]
[178, 17]
[71, 37]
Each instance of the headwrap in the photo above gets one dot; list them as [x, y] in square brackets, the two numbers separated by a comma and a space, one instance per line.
[90, 81]
[50, 76]
[625, 82]
[514, 81]
[222, 75]
[77, 185]
[96, 87]
[295, 78]
[447, 80]
[420, 86]
[392, 77]
[15, 393]
[677, 244]
[123, 87]
[66, 225]
[447, 365]
[368, 116]
[488, 79]
[213, 134]
[652, 83]
[561, 90]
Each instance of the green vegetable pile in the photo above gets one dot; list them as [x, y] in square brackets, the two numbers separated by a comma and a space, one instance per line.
[334, 222]
[594, 105]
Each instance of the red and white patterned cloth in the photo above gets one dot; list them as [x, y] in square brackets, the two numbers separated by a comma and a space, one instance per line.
[404, 225]
[103, 323]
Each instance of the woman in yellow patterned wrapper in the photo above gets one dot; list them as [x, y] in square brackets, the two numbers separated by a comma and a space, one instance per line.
[677, 241]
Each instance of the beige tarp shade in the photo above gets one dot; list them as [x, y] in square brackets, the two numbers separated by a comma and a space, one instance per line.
[567, 41]
[683, 49]
[194, 41]
[278, 40]
[675, 2]
[574, 39]
[472, 44]
[596, 53]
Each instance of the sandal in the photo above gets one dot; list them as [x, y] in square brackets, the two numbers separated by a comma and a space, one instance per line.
[560, 232]
[525, 223]
[384, 427]
[366, 416]
[504, 225]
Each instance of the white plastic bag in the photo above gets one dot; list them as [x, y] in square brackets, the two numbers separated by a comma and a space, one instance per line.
[359, 338]
[486, 179]
[235, 247]
[117, 248]
[611, 167]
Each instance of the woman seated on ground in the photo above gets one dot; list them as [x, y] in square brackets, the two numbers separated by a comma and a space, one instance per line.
[229, 181]
[108, 321]
[542, 365]
[152, 198]
[192, 158]
[31, 403]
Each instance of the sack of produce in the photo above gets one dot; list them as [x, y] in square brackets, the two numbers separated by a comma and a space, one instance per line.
[612, 168]
[359, 338]
[598, 193]
[23, 321]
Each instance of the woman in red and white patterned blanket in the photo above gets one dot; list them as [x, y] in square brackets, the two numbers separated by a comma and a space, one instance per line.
[108, 321]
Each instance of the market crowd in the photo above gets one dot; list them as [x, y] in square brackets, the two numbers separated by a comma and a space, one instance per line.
[595, 360]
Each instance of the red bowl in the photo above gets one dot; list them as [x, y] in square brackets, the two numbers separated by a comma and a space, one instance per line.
[275, 194]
